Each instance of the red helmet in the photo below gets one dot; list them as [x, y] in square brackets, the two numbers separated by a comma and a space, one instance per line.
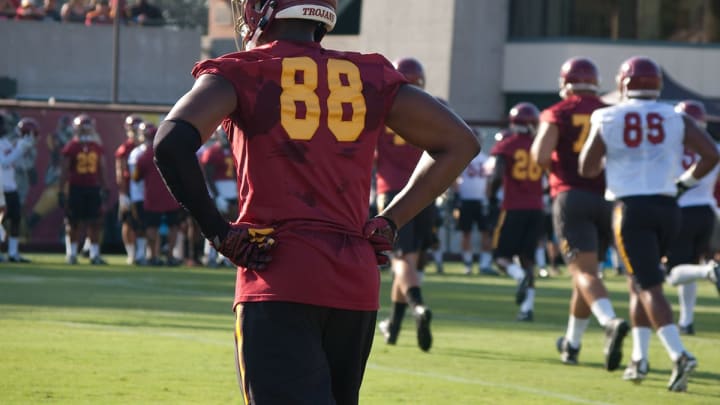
[578, 74]
[524, 117]
[640, 76]
[412, 69]
[132, 122]
[27, 126]
[695, 109]
[83, 124]
[147, 129]
[253, 16]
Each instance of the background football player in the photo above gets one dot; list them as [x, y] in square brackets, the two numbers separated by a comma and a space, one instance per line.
[580, 212]
[689, 258]
[12, 150]
[83, 189]
[395, 162]
[641, 142]
[122, 179]
[521, 219]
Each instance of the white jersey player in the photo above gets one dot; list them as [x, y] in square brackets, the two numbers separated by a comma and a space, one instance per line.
[642, 143]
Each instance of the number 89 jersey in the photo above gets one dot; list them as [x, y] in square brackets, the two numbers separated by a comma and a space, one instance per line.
[522, 180]
[644, 147]
[305, 130]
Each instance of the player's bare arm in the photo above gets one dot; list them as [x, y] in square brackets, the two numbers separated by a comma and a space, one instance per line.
[449, 144]
[496, 179]
[699, 141]
[590, 161]
[544, 144]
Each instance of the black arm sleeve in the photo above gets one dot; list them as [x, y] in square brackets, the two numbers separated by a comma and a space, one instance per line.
[175, 145]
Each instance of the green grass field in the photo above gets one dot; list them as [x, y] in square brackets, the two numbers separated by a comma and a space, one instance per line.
[118, 334]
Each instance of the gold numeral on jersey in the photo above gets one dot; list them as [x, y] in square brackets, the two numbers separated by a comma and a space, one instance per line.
[524, 168]
[229, 168]
[86, 162]
[583, 121]
[300, 105]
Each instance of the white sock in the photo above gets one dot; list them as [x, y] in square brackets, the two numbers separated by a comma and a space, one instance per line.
[179, 249]
[641, 343]
[140, 250]
[438, 256]
[540, 257]
[73, 248]
[68, 246]
[529, 302]
[603, 311]
[130, 249]
[515, 271]
[687, 273]
[670, 337]
[94, 250]
[467, 257]
[687, 295]
[13, 246]
[485, 260]
[86, 244]
[575, 330]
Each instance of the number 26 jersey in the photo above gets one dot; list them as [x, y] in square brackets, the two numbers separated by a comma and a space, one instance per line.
[644, 147]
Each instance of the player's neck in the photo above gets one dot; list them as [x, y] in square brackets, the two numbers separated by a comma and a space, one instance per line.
[289, 30]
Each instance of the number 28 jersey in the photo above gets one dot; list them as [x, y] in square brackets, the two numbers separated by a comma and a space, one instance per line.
[522, 180]
[304, 135]
[84, 162]
[644, 147]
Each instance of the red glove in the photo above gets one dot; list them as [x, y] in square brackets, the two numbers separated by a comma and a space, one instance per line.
[381, 232]
[246, 247]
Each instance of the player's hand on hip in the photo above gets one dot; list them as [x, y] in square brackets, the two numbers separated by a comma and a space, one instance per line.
[381, 232]
[247, 247]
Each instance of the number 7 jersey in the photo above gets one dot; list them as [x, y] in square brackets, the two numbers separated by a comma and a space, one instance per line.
[643, 147]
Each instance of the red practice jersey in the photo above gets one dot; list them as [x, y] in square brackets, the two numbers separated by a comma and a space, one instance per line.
[123, 152]
[303, 135]
[157, 196]
[221, 159]
[572, 118]
[84, 163]
[522, 180]
[396, 160]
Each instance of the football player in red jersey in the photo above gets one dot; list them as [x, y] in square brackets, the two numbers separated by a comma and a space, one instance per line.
[303, 122]
[122, 178]
[641, 142]
[159, 206]
[82, 180]
[581, 215]
[396, 161]
[520, 223]
[220, 175]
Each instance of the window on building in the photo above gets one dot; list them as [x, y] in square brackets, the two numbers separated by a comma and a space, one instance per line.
[693, 21]
[348, 17]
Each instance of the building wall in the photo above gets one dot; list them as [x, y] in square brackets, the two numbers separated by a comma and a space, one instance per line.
[74, 62]
[534, 66]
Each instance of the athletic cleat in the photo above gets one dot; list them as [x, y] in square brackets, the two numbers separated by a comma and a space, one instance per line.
[423, 316]
[636, 371]
[521, 292]
[615, 332]
[18, 259]
[155, 261]
[684, 366]
[543, 273]
[71, 259]
[687, 330]
[98, 261]
[568, 354]
[525, 316]
[468, 270]
[389, 332]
